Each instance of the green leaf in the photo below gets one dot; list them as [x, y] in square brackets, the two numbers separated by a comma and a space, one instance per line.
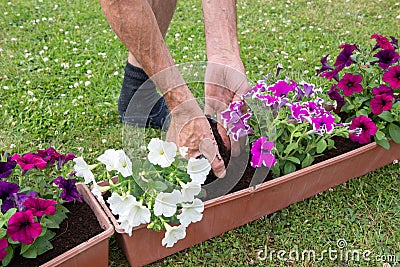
[362, 112]
[54, 221]
[9, 256]
[308, 160]
[321, 146]
[331, 143]
[383, 143]
[25, 248]
[379, 135]
[394, 132]
[294, 160]
[290, 147]
[159, 186]
[43, 243]
[386, 116]
[289, 167]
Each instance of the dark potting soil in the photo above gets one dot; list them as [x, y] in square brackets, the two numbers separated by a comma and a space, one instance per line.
[343, 145]
[80, 226]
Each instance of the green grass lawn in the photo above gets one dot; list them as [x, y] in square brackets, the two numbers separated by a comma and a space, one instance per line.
[61, 68]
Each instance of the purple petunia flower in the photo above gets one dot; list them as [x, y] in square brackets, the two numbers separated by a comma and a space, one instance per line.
[233, 113]
[344, 58]
[381, 103]
[63, 159]
[325, 65]
[3, 246]
[69, 192]
[367, 127]
[50, 155]
[386, 58]
[394, 42]
[20, 198]
[261, 153]
[335, 95]
[350, 84]
[324, 123]
[241, 127]
[236, 121]
[7, 190]
[255, 90]
[6, 168]
[23, 228]
[392, 76]
[383, 90]
[382, 42]
[40, 206]
[28, 161]
[334, 74]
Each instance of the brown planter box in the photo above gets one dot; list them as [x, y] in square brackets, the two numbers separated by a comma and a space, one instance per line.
[230, 211]
[93, 252]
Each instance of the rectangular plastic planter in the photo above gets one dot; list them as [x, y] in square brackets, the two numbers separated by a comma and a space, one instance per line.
[93, 252]
[227, 212]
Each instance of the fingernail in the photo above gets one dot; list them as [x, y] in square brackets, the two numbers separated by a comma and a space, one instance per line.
[221, 174]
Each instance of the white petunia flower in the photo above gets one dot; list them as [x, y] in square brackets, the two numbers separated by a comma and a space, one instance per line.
[198, 169]
[191, 212]
[161, 152]
[173, 234]
[183, 151]
[131, 213]
[116, 160]
[190, 190]
[109, 159]
[82, 169]
[166, 203]
[96, 191]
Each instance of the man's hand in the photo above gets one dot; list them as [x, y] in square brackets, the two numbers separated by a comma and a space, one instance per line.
[190, 128]
[223, 85]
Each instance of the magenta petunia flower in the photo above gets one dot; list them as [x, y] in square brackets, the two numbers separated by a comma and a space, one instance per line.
[350, 84]
[23, 228]
[323, 123]
[69, 192]
[261, 153]
[299, 112]
[392, 76]
[386, 58]
[382, 90]
[3, 246]
[382, 42]
[344, 58]
[28, 161]
[367, 129]
[335, 95]
[40, 206]
[281, 88]
[381, 103]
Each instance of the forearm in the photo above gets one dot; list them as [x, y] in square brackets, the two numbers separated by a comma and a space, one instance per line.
[220, 29]
[134, 23]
